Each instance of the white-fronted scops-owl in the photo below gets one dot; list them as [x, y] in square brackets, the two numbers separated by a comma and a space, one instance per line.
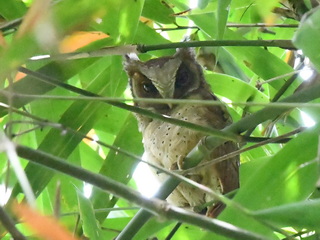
[181, 77]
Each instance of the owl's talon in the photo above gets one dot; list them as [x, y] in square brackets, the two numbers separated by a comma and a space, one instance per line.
[180, 162]
[173, 167]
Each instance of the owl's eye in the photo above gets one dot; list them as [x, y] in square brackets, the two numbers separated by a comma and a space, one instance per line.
[182, 78]
[149, 87]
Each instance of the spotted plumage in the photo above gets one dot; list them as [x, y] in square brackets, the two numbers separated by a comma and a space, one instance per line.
[165, 144]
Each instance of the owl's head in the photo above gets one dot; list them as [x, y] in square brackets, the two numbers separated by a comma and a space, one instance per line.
[170, 77]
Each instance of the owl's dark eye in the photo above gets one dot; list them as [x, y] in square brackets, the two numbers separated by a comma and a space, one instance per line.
[148, 87]
[183, 76]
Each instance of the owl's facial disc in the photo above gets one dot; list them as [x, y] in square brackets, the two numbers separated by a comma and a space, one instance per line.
[162, 75]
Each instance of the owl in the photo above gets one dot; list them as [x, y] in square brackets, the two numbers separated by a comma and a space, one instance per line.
[165, 144]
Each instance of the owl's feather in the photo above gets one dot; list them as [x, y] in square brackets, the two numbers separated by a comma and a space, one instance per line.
[165, 144]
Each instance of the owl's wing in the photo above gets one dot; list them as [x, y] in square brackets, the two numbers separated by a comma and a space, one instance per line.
[228, 173]
[228, 170]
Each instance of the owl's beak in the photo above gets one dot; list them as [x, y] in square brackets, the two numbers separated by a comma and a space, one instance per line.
[168, 94]
[163, 76]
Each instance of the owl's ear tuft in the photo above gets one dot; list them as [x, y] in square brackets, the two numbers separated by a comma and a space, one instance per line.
[130, 61]
[186, 53]
[131, 57]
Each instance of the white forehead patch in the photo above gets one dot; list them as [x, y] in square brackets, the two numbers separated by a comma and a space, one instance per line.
[164, 74]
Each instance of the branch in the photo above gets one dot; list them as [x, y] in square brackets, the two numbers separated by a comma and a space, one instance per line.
[154, 206]
[286, 44]
[140, 48]
[263, 25]
[236, 25]
[11, 24]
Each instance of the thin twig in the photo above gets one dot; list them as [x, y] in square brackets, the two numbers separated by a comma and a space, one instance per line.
[286, 44]
[11, 24]
[238, 152]
[284, 88]
[103, 210]
[166, 101]
[173, 231]
[240, 25]
[280, 77]
[235, 25]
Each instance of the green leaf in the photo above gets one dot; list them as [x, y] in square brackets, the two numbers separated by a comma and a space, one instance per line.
[300, 215]
[265, 7]
[158, 11]
[90, 226]
[222, 17]
[203, 3]
[237, 90]
[32, 86]
[116, 165]
[146, 35]
[125, 17]
[288, 176]
[152, 227]
[12, 9]
[306, 38]
[255, 59]
[80, 116]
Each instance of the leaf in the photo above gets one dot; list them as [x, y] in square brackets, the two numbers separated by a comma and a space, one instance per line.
[152, 227]
[288, 176]
[118, 166]
[47, 228]
[158, 11]
[237, 91]
[300, 215]
[121, 19]
[90, 226]
[63, 20]
[32, 86]
[222, 17]
[265, 8]
[79, 39]
[203, 3]
[307, 35]
[12, 9]
[146, 35]
[257, 60]
[81, 116]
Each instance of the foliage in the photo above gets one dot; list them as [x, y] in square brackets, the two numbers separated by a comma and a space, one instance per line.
[66, 136]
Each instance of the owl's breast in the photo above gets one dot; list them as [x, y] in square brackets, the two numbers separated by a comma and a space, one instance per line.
[167, 144]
